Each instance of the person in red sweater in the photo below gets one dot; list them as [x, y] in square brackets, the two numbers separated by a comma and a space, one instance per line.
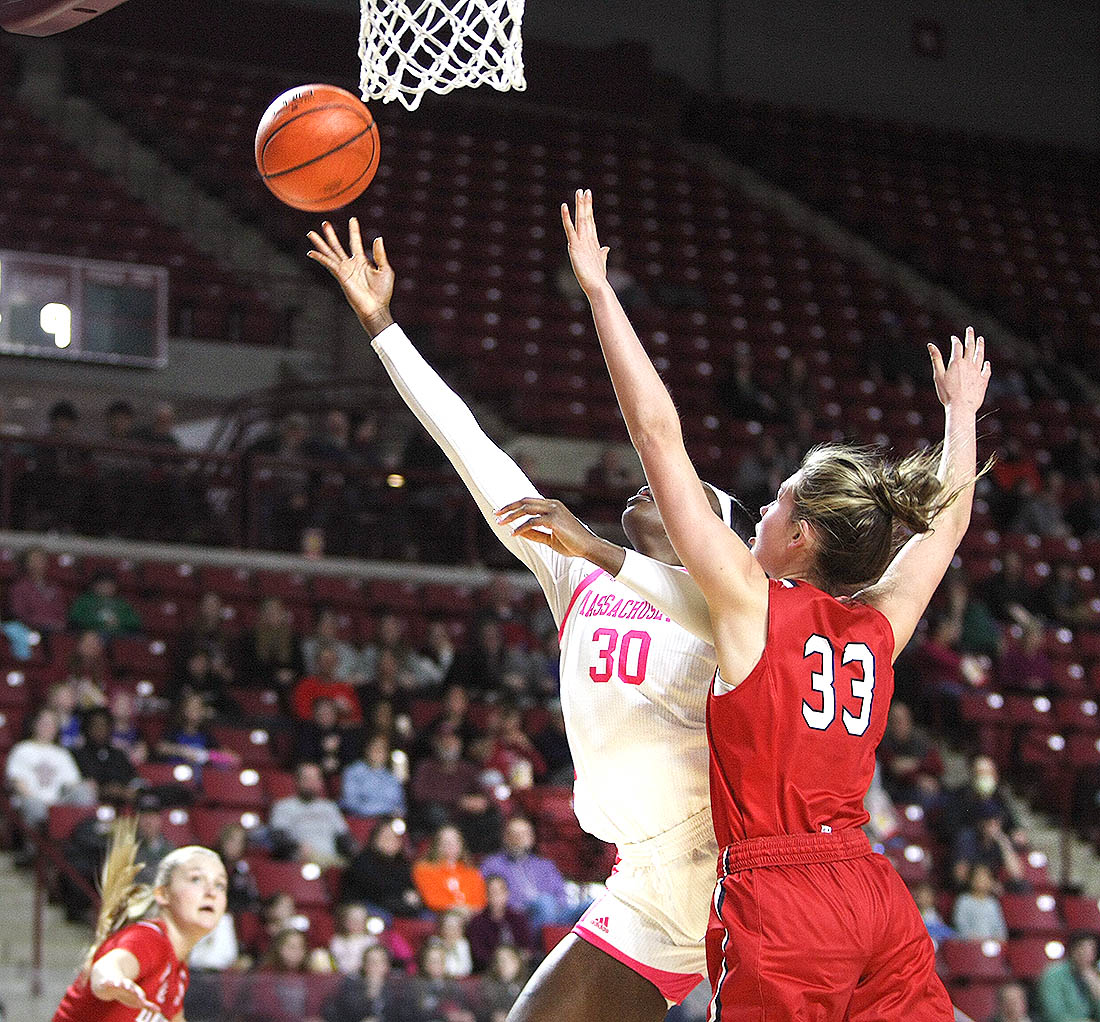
[136, 970]
[324, 684]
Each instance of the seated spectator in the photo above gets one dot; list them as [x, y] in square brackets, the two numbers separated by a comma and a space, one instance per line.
[327, 739]
[534, 883]
[268, 654]
[501, 985]
[389, 637]
[352, 938]
[1024, 665]
[446, 788]
[456, 948]
[279, 991]
[56, 493]
[277, 913]
[924, 894]
[1069, 990]
[324, 684]
[454, 715]
[127, 736]
[431, 994]
[34, 600]
[118, 474]
[434, 657]
[513, 753]
[62, 699]
[911, 763]
[978, 914]
[482, 665]
[499, 924]
[325, 634]
[1039, 511]
[196, 676]
[553, 746]
[88, 671]
[100, 609]
[369, 786]
[380, 876]
[40, 773]
[374, 994]
[242, 894]
[961, 806]
[210, 635]
[187, 740]
[153, 845]
[986, 844]
[161, 430]
[100, 761]
[1062, 601]
[1012, 1004]
[445, 878]
[309, 823]
[1008, 594]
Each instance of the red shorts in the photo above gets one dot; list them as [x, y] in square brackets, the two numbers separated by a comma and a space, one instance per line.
[816, 927]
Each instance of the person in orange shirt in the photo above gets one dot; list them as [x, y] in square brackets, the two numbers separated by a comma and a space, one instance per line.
[445, 878]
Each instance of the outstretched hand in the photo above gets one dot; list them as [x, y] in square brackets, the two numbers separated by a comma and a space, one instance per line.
[366, 280]
[127, 992]
[589, 259]
[551, 523]
[961, 384]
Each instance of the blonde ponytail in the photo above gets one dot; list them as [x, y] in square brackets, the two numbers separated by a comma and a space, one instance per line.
[863, 508]
[122, 900]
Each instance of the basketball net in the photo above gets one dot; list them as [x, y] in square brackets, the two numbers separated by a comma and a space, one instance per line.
[410, 48]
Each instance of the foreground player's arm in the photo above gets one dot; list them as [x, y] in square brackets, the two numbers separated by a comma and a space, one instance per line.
[491, 476]
[716, 558]
[671, 590]
[114, 978]
[907, 585]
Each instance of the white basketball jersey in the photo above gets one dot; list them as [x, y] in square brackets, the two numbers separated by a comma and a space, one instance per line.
[633, 684]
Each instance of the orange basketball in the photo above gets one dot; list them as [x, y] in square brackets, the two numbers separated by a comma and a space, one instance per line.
[317, 147]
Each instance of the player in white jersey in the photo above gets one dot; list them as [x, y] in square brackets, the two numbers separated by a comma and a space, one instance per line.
[633, 693]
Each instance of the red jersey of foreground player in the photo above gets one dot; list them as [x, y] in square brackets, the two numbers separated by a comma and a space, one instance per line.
[163, 977]
[792, 748]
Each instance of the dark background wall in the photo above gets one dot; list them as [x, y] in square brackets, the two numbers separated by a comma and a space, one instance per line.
[1026, 68]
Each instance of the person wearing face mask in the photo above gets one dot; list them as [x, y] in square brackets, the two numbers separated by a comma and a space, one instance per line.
[983, 791]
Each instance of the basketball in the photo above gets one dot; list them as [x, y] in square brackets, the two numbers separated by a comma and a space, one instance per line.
[317, 147]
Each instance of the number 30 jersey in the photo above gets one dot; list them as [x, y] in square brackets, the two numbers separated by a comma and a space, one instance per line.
[633, 684]
[792, 747]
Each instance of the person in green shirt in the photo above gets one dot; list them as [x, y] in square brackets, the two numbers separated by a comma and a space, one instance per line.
[102, 610]
[1069, 990]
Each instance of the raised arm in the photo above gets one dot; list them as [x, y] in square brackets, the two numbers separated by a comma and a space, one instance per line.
[734, 585]
[491, 476]
[907, 585]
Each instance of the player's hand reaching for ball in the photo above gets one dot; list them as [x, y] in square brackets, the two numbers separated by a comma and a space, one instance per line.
[125, 991]
[551, 523]
[589, 259]
[366, 280]
[961, 383]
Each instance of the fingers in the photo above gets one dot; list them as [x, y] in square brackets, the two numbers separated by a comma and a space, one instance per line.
[333, 240]
[937, 360]
[355, 239]
[521, 508]
[567, 223]
[378, 250]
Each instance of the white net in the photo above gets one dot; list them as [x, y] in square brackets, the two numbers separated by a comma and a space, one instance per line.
[408, 49]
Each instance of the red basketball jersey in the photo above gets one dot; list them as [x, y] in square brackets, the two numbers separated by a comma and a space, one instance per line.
[792, 748]
[163, 977]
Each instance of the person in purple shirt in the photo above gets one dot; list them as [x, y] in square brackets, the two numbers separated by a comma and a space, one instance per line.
[34, 600]
[498, 923]
[535, 886]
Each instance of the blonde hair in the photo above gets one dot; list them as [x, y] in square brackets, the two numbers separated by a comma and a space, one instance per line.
[122, 899]
[863, 507]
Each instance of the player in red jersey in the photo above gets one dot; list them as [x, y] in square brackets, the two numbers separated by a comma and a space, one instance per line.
[807, 922]
[136, 968]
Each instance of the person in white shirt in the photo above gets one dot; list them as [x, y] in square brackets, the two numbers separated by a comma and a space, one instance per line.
[40, 773]
[311, 820]
[633, 693]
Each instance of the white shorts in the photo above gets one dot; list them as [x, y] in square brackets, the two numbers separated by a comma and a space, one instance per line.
[653, 917]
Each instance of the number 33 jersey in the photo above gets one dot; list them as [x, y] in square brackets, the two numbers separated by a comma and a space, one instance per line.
[793, 746]
[634, 693]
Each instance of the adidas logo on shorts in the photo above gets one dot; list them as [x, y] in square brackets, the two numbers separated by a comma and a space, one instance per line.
[600, 924]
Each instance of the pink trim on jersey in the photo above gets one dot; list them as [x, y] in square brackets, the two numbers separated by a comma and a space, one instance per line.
[674, 986]
[585, 583]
